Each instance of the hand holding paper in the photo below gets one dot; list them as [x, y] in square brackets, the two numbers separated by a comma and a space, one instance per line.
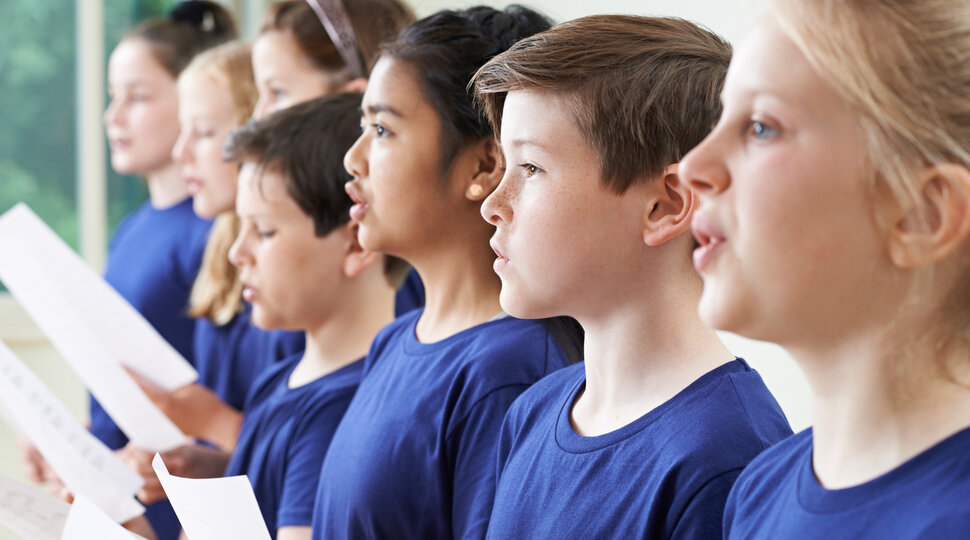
[215, 508]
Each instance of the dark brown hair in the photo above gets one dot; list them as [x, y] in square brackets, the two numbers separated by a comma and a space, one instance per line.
[190, 28]
[373, 21]
[642, 90]
[307, 143]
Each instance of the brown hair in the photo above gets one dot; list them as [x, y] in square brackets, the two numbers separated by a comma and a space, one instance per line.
[190, 28]
[373, 22]
[902, 66]
[307, 143]
[642, 90]
[217, 291]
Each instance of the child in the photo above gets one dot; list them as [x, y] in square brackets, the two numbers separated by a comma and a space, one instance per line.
[156, 251]
[295, 59]
[414, 456]
[647, 436]
[835, 222]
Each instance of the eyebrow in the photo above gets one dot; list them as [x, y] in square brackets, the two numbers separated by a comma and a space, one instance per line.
[381, 107]
[519, 142]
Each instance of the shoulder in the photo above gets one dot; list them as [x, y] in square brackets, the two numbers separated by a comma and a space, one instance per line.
[770, 469]
[544, 398]
[510, 344]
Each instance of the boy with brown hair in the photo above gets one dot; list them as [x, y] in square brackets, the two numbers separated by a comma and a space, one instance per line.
[646, 437]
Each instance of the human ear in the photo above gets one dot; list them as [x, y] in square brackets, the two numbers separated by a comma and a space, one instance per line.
[944, 207]
[487, 172]
[356, 258]
[670, 205]
[354, 85]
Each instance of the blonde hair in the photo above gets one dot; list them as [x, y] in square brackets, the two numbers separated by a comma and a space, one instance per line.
[903, 65]
[217, 291]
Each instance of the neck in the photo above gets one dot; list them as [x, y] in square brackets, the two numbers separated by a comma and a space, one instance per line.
[641, 352]
[878, 402]
[166, 188]
[347, 335]
[461, 289]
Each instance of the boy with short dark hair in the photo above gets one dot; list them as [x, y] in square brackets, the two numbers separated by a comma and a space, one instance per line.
[646, 437]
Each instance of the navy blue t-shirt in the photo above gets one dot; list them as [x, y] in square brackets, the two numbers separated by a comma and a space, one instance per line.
[284, 436]
[665, 475]
[152, 262]
[410, 295]
[415, 454]
[778, 496]
[229, 358]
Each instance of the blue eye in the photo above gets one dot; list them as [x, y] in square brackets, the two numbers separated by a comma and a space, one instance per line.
[761, 130]
[265, 233]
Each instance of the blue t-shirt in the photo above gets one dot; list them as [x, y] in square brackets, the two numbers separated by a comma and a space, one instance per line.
[410, 295]
[152, 262]
[229, 358]
[778, 496]
[284, 436]
[415, 454]
[665, 475]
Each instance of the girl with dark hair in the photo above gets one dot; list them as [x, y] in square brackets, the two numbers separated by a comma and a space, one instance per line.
[415, 454]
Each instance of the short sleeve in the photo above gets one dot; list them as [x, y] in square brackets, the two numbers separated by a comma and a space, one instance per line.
[704, 515]
[304, 460]
[473, 447]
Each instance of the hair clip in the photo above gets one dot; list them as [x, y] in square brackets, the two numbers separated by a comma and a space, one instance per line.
[341, 33]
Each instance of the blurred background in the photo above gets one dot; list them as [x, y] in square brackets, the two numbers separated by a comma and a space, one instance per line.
[53, 154]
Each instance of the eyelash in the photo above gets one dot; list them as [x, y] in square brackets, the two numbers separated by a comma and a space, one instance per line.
[530, 170]
[265, 234]
[766, 131]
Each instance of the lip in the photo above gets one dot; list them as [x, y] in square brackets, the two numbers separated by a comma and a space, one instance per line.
[500, 259]
[360, 206]
[118, 143]
[710, 238]
[194, 185]
[249, 292]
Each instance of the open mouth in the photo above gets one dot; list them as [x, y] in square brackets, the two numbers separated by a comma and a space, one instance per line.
[360, 207]
[710, 239]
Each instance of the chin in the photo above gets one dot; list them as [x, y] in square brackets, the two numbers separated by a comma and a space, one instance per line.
[518, 306]
[264, 320]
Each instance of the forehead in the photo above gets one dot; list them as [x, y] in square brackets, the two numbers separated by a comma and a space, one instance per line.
[204, 95]
[392, 83]
[276, 53]
[769, 62]
[542, 120]
[132, 61]
[261, 187]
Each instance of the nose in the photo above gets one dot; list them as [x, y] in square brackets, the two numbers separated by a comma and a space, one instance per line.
[704, 168]
[497, 207]
[181, 152]
[112, 113]
[239, 254]
[355, 160]
[262, 107]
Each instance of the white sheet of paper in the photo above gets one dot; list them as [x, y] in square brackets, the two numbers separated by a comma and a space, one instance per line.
[86, 521]
[92, 326]
[30, 512]
[213, 508]
[82, 462]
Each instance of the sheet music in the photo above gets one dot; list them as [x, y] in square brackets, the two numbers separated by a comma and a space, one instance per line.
[86, 521]
[82, 462]
[92, 327]
[30, 512]
[213, 507]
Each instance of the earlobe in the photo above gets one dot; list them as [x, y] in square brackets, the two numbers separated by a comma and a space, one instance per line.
[488, 170]
[356, 258]
[358, 85]
[941, 222]
[669, 208]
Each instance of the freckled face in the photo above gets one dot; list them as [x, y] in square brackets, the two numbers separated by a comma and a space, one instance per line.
[562, 239]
